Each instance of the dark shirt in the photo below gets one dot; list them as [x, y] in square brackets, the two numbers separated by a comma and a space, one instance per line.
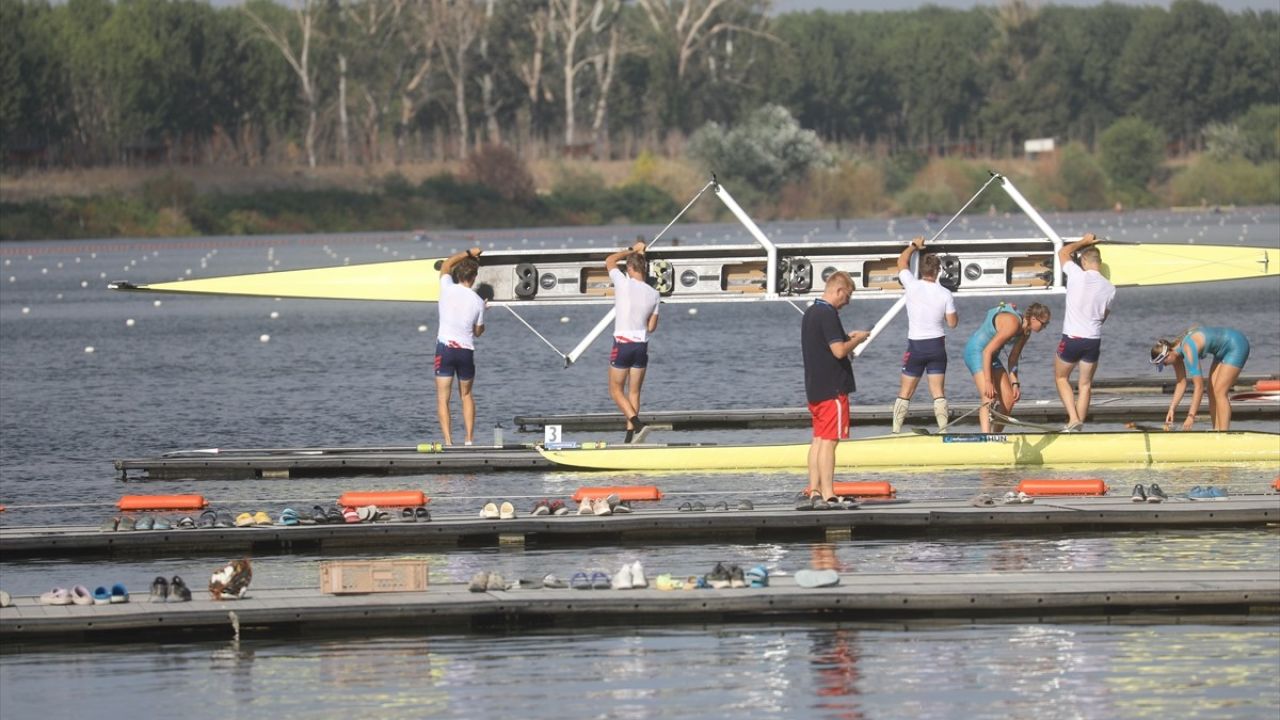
[825, 375]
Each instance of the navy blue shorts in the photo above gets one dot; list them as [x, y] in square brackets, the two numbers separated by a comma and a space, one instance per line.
[626, 355]
[1075, 349]
[925, 356]
[458, 361]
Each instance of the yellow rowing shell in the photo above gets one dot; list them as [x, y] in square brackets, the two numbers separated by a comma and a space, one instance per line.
[955, 450]
[419, 280]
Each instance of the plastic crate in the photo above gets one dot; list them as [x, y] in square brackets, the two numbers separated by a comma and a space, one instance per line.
[357, 577]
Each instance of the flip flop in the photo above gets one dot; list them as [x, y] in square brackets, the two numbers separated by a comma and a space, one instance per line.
[288, 516]
[5, 599]
[244, 519]
[208, 519]
[817, 578]
[698, 506]
[601, 580]
[224, 519]
[803, 502]
[579, 581]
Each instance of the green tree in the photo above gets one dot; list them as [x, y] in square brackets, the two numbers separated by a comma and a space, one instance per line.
[766, 150]
[1261, 127]
[1081, 180]
[1132, 150]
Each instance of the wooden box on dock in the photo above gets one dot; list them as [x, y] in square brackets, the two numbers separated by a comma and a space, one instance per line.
[355, 577]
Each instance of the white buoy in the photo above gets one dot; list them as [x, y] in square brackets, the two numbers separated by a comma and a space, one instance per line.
[274, 314]
[58, 296]
[264, 338]
[84, 283]
[12, 279]
[693, 311]
[155, 303]
[44, 271]
[26, 310]
[422, 328]
[88, 349]
[129, 322]
[564, 319]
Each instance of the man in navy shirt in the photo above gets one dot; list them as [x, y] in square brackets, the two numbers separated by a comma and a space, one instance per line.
[828, 381]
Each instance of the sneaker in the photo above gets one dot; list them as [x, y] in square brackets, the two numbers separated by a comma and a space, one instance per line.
[600, 580]
[1011, 498]
[489, 511]
[1155, 494]
[164, 524]
[623, 507]
[817, 578]
[496, 582]
[600, 506]
[1139, 495]
[1025, 498]
[479, 582]
[737, 578]
[745, 504]
[622, 579]
[178, 590]
[159, 590]
[613, 500]
[146, 522]
[408, 515]
[507, 511]
[758, 577]
[558, 508]
[351, 516]
[542, 507]
[586, 506]
[127, 522]
[719, 578]
[638, 579]
[1216, 492]
[1076, 426]
[580, 581]
[550, 580]
[421, 514]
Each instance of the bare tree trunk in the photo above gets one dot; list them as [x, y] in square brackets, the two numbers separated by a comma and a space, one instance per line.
[530, 70]
[604, 65]
[344, 122]
[300, 61]
[487, 100]
[460, 27]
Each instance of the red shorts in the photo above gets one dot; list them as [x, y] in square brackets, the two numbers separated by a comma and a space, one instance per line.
[831, 418]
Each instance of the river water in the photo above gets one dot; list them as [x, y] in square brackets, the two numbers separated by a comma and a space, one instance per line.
[171, 372]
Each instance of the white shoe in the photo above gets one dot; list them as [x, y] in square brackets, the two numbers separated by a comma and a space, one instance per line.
[489, 512]
[587, 506]
[600, 506]
[622, 579]
[637, 575]
[1011, 498]
[507, 511]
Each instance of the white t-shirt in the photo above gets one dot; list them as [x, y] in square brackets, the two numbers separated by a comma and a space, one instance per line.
[1089, 297]
[928, 305]
[633, 303]
[461, 310]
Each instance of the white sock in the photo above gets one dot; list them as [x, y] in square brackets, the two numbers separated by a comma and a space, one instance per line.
[941, 412]
[900, 406]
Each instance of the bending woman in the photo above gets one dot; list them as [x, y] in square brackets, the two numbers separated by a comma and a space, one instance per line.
[1230, 349]
[1003, 327]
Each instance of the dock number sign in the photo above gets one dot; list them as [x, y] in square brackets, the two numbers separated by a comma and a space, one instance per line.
[550, 434]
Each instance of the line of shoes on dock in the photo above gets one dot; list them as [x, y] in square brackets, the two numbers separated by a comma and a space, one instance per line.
[631, 576]
[722, 506]
[803, 501]
[80, 595]
[288, 517]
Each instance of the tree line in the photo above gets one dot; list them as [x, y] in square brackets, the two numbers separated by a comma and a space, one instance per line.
[95, 82]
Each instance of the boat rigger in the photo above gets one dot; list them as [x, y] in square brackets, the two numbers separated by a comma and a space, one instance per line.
[947, 450]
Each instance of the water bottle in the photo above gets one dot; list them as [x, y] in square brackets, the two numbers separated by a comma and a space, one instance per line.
[497, 435]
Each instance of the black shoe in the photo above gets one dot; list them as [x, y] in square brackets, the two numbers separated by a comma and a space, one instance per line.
[1139, 495]
[719, 577]
[803, 502]
[819, 504]
[179, 589]
[636, 424]
[159, 590]
[1155, 494]
[630, 435]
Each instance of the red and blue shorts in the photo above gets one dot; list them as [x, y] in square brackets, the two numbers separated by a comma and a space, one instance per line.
[831, 418]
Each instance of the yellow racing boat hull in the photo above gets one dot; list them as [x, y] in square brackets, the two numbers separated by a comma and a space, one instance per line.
[955, 450]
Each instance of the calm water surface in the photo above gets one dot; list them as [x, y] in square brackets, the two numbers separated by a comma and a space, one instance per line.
[193, 373]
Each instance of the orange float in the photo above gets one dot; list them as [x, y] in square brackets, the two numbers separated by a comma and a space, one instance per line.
[1275, 485]
[865, 489]
[1271, 385]
[384, 498]
[1066, 486]
[624, 492]
[162, 502]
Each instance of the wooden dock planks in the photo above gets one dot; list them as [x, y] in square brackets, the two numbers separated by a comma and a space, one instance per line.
[865, 597]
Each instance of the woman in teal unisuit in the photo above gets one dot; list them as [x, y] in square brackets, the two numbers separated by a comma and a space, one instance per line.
[1003, 327]
[1230, 350]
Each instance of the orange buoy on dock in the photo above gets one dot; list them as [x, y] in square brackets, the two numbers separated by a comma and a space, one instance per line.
[162, 502]
[384, 498]
[624, 492]
[865, 489]
[1066, 486]
[1270, 385]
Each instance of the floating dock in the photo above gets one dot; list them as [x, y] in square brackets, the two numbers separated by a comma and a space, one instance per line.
[1102, 410]
[894, 517]
[864, 597]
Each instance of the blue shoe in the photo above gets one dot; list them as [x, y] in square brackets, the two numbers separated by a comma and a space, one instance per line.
[101, 596]
[580, 581]
[758, 577]
[1217, 492]
[289, 516]
[118, 594]
[1199, 493]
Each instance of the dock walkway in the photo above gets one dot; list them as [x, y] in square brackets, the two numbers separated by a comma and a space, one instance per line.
[1046, 515]
[864, 597]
